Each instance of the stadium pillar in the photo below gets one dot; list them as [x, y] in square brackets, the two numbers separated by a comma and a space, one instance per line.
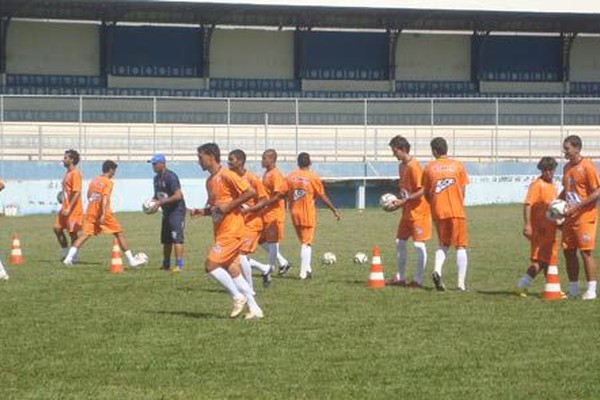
[360, 195]
[393, 36]
[567, 40]
[207, 33]
[4, 21]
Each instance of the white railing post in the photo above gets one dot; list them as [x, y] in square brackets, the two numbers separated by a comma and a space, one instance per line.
[154, 121]
[297, 125]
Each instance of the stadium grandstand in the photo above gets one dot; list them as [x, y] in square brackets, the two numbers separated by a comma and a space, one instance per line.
[503, 81]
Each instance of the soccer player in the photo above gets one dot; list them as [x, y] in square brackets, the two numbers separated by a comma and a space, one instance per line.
[227, 191]
[444, 182]
[252, 218]
[581, 191]
[167, 191]
[99, 217]
[416, 214]
[274, 213]
[70, 217]
[303, 186]
[539, 230]
[3, 273]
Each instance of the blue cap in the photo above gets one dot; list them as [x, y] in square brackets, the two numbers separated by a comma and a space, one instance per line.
[158, 158]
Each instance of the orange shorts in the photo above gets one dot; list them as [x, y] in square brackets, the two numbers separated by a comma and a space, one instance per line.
[452, 232]
[419, 230]
[544, 248]
[249, 241]
[272, 232]
[579, 235]
[92, 227]
[70, 223]
[225, 251]
[305, 234]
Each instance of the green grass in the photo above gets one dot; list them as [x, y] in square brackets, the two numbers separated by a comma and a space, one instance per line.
[84, 333]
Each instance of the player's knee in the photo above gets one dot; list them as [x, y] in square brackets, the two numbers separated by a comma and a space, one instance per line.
[419, 245]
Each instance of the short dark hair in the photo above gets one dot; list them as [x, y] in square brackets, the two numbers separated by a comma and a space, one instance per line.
[108, 165]
[271, 153]
[239, 155]
[439, 145]
[304, 160]
[400, 142]
[211, 149]
[547, 164]
[574, 141]
[73, 155]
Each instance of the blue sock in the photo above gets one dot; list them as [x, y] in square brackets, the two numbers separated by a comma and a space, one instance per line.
[179, 264]
[166, 264]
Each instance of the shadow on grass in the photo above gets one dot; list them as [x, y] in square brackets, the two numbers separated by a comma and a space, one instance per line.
[60, 263]
[190, 314]
[200, 289]
[507, 293]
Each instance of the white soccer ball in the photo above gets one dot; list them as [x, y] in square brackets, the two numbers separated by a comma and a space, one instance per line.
[386, 200]
[328, 258]
[143, 257]
[150, 206]
[360, 258]
[557, 210]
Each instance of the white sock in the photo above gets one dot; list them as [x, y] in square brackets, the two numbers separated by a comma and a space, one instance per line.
[263, 268]
[2, 270]
[246, 270]
[305, 258]
[401, 259]
[129, 256]
[591, 287]
[421, 251]
[524, 281]
[71, 254]
[273, 249]
[573, 289]
[461, 264]
[243, 287]
[280, 258]
[440, 257]
[226, 281]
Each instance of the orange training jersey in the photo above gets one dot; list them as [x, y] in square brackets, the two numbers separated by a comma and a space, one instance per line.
[411, 177]
[579, 181]
[443, 180]
[101, 186]
[274, 184]
[539, 196]
[72, 183]
[302, 186]
[222, 188]
[254, 220]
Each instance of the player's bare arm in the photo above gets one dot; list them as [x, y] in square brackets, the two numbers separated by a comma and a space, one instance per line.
[235, 203]
[591, 199]
[174, 198]
[527, 230]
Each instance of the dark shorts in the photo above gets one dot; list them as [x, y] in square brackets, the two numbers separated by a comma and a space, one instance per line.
[172, 228]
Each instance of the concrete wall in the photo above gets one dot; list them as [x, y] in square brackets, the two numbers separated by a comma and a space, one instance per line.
[430, 57]
[247, 53]
[52, 48]
[585, 59]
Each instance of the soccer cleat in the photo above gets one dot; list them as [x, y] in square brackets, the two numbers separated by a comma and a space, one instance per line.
[238, 307]
[308, 275]
[415, 285]
[67, 262]
[284, 269]
[437, 281]
[266, 278]
[589, 296]
[521, 292]
[462, 289]
[4, 276]
[258, 314]
[397, 282]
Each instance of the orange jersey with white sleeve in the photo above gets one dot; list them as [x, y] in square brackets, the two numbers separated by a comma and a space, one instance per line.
[443, 180]
[72, 183]
[274, 184]
[303, 186]
[580, 181]
[411, 180]
[222, 188]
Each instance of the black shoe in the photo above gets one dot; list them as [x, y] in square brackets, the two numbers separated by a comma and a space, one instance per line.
[266, 279]
[437, 281]
[309, 275]
[284, 269]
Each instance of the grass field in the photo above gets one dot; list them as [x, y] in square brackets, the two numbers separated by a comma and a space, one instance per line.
[84, 333]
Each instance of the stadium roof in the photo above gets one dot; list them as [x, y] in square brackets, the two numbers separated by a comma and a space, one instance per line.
[573, 16]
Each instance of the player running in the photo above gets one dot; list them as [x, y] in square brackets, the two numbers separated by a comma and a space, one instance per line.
[70, 217]
[416, 214]
[539, 230]
[303, 186]
[444, 182]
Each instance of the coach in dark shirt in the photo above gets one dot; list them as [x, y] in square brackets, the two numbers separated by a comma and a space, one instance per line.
[167, 191]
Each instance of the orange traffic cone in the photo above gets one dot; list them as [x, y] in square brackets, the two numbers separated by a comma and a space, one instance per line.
[16, 256]
[376, 279]
[116, 262]
[552, 285]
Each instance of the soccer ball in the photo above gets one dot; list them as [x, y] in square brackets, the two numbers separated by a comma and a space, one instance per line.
[328, 258]
[143, 257]
[360, 258]
[385, 201]
[150, 206]
[556, 210]
[60, 196]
